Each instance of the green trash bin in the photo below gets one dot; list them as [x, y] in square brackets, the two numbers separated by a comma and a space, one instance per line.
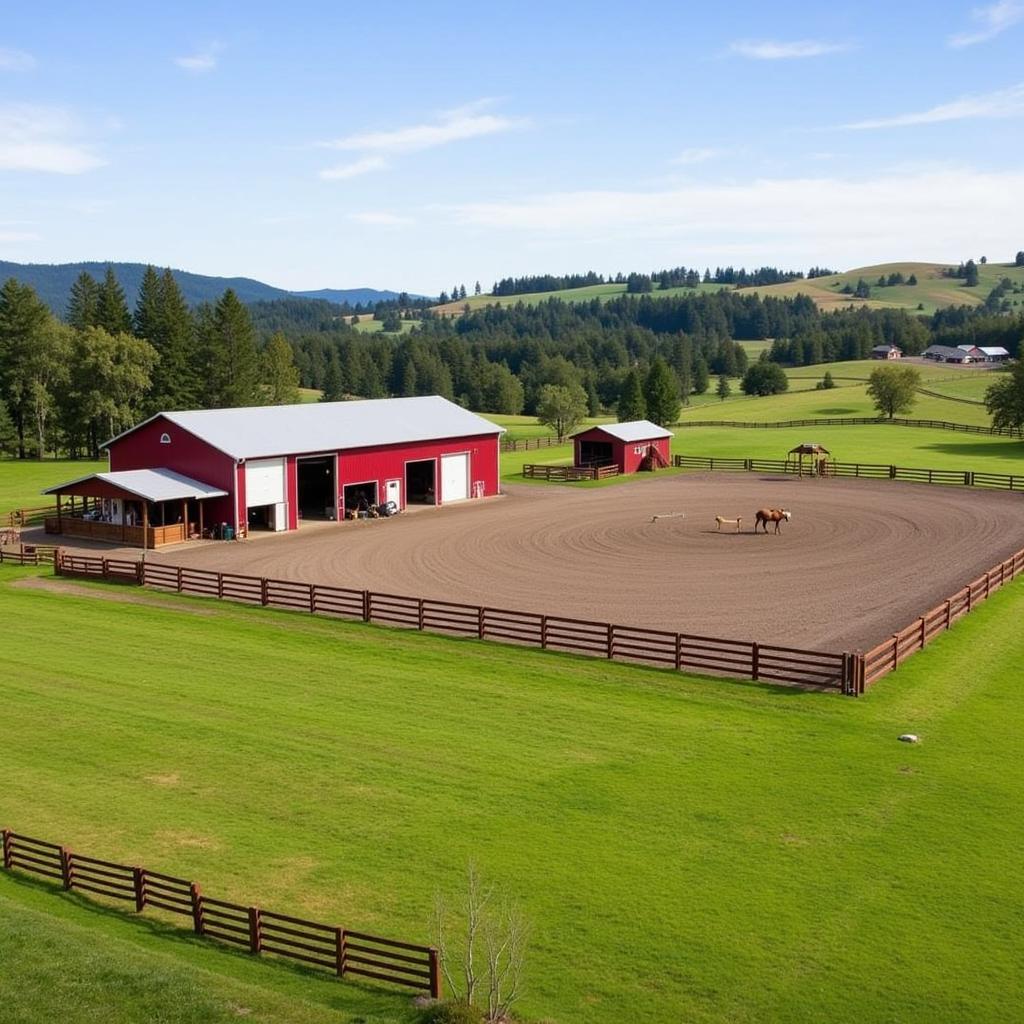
[229, 533]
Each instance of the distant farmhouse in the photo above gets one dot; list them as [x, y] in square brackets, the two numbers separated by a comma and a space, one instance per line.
[886, 352]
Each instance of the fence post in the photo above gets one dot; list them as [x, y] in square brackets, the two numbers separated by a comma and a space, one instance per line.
[57, 555]
[419, 614]
[970, 597]
[968, 479]
[366, 606]
[339, 951]
[105, 568]
[220, 584]
[988, 583]
[65, 867]
[544, 631]
[196, 896]
[139, 882]
[481, 624]
[610, 641]
[679, 652]
[312, 599]
[892, 472]
[435, 974]
[922, 632]
[179, 579]
[255, 938]
[949, 612]
[264, 592]
[140, 574]
[755, 660]
[895, 650]
[7, 848]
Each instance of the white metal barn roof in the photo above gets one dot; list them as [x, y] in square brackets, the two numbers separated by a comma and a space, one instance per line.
[635, 430]
[262, 431]
[150, 484]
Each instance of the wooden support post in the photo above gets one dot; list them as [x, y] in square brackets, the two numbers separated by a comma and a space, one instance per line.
[264, 592]
[312, 599]
[200, 518]
[419, 614]
[339, 951]
[65, 867]
[59, 524]
[970, 596]
[610, 642]
[255, 938]
[755, 661]
[544, 632]
[435, 974]
[220, 584]
[139, 882]
[949, 613]
[367, 608]
[922, 632]
[178, 581]
[140, 572]
[988, 583]
[679, 652]
[184, 518]
[7, 848]
[481, 624]
[196, 897]
[105, 566]
[895, 649]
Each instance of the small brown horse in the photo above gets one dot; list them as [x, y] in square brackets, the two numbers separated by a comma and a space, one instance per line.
[764, 516]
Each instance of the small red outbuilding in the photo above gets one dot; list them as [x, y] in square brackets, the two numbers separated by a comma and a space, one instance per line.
[625, 445]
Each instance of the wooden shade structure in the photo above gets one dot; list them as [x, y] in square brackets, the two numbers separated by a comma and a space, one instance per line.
[816, 454]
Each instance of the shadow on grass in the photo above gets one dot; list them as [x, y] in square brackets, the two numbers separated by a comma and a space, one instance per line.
[319, 986]
[986, 449]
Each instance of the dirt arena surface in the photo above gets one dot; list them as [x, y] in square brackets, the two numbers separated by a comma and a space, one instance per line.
[859, 560]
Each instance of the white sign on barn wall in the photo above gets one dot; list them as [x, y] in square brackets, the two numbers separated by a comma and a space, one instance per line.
[264, 482]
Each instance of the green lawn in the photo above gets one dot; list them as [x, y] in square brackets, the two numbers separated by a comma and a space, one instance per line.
[371, 326]
[687, 849]
[22, 481]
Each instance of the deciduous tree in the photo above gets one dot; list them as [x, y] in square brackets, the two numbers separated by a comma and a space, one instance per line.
[893, 389]
[764, 378]
[280, 375]
[1004, 399]
[562, 408]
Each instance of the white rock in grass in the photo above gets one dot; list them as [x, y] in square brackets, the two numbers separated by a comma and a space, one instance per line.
[908, 737]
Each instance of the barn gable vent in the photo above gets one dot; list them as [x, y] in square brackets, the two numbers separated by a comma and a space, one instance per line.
[165, 438]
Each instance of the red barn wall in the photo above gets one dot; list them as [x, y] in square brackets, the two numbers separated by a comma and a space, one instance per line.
[626, 455]
[186, 454]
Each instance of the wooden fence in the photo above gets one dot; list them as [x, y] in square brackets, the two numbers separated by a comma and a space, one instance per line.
[555, 473]
[529, 444]
[742, 659]
[854, 421]
[28, 554]
[889, 654]
[253, 928]
[21, 517]
[867, 471]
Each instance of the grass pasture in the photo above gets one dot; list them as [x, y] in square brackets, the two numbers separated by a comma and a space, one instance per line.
[687, 849]
[22, 480]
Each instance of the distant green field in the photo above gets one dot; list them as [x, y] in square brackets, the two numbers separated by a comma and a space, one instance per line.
[377, 326]
[686, 849]
[21, 481]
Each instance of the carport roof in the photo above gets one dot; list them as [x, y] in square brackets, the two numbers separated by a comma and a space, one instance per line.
[149, 484]
[263, 431]
[634, 430]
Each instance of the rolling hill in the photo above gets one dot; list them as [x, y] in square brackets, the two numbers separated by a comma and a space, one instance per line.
[933, 290]
[52, 282]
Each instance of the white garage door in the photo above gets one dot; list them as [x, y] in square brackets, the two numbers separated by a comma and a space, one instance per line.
[264, 482]
[454, 477]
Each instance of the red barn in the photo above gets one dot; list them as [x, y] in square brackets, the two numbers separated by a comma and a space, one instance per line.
[272, 467]
[625, 445]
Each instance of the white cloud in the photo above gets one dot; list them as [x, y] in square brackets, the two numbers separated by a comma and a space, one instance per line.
[698, 155]
[11, 235]
[36, 138]
[16, 60]
[202, 61]
[342, 172]
[381, 218]
[850, 220]
[769, 49]
[999, 104]
[466, 122]
[990, 22]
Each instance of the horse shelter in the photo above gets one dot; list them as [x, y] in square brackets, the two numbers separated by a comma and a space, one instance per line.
[633, 446]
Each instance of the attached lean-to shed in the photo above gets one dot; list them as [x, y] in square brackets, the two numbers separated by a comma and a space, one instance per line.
[631, 446]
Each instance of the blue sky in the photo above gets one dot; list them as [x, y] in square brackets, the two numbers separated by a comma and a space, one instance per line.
[416, 146]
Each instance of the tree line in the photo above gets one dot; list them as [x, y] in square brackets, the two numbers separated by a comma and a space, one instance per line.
[71, 384]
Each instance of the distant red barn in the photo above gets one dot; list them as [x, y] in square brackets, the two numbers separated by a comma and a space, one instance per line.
[625, 445]
[272, 467]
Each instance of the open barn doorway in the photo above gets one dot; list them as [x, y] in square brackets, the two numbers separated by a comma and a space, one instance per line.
[596, 453]
[420, 482]
[316, 488]
[360, 498]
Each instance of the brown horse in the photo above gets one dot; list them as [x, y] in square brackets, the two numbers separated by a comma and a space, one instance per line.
[764, 516]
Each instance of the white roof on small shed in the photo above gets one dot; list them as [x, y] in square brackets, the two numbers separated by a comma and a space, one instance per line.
[262, 431]
[994, 350]
[151, 484]
[634, 430]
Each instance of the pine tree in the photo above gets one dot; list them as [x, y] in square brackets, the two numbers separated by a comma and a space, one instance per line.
[23, 330]
[701, 376]
[632, 405]
[661, 394]
[229, 360]
[971, 274]
[723, 390]
[477, 289]
[146, 321]
[176, 376]
[280, 375]
[111, 308]
[83, 302]
[334, 387]
[8, 435]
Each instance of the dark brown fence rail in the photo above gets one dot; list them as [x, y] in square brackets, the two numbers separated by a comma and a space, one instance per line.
[529, 444]
[891, 653]
[19, 517]
[253, 928]
[869, 471]
[28, 554]
[857, 421]
[680, 651]
[535, 472]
